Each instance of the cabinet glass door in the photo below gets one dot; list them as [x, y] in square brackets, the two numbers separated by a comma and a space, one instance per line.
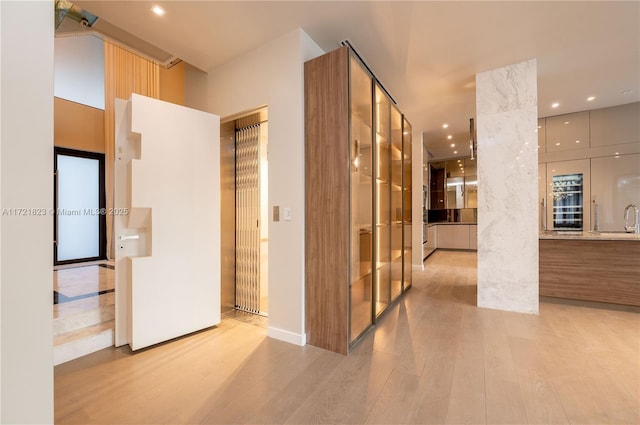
[406, 202]
[396, 203]
[382, 200]
[360, 294]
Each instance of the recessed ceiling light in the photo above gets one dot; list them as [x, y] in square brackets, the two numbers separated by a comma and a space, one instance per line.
[539, 126]
[405, 132]
[458, 160]
[577, 141]
[445, 125]
[555, 104]
[453, 145]
[455, 152]
[157, 10]
[557, 143]
[590, 98]
[617, 153]
[449, 137]
[566, 122]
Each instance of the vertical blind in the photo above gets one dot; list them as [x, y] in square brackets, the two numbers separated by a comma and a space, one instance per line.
[125, 73]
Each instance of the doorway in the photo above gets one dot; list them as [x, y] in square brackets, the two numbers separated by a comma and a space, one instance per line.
[245, 237]
[79, 225]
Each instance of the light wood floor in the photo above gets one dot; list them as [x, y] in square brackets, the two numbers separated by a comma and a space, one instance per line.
[435, 358]
[84, 313]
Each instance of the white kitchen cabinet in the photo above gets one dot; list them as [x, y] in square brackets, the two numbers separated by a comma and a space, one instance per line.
[453, 236]
[473, 236]
[432, 239]
[615, 125]
[615, 183]
[542, 135]
[561, 173]
[567, 132]
[542, 196]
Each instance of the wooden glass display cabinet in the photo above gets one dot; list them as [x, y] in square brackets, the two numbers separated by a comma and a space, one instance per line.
[383, 185]
[407, 205]
[353, 200]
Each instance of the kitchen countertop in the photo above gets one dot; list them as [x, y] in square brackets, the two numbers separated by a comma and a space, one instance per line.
[589, 236]
[448, 223]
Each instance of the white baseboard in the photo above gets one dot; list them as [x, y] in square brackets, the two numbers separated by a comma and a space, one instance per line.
[286, 336]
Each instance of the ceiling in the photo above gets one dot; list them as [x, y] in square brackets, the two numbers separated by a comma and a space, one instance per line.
[425, 53]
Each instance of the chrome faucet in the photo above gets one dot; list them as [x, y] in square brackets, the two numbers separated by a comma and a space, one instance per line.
[635, 228]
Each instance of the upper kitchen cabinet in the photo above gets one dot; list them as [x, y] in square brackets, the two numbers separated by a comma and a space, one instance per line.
[470, 183]
[437, 185]
[616, 125]
[542, 195]
[542, 135]
[567, 132]
[615, 183]
[455, 183]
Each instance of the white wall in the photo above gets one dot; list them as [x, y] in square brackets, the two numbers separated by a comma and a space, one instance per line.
[26, 166]
[79, 70]
[273, 76]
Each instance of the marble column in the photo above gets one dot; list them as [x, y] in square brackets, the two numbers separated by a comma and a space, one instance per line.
[507, 114]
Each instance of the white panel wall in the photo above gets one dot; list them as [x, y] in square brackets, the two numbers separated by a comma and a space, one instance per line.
[273, 76]
[171, 157]
[506, 108]
[79, 70]
[26, 166]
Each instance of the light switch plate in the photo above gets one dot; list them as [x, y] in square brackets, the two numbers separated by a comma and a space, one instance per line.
[286, 214]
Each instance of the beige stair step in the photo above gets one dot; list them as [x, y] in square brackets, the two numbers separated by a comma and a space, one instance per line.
[84, 319]
[73, 345]
[82, 333]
